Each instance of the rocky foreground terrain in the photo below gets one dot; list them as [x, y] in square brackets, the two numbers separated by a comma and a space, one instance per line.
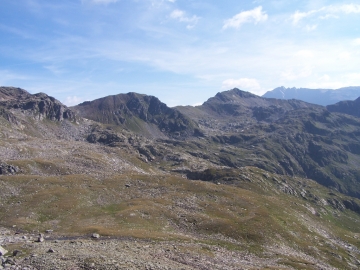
[125, 182]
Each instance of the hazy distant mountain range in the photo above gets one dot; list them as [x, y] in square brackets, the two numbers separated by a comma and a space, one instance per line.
[322, 97]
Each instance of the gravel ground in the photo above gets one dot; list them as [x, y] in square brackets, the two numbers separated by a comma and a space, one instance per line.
[57, 252]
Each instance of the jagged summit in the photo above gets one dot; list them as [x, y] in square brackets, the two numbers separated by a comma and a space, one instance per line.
[39, 105]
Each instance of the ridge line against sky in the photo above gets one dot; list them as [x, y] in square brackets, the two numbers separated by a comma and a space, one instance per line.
[181, 51]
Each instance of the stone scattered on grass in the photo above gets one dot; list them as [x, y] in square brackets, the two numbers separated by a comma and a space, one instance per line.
[95, 235]
[40, 238]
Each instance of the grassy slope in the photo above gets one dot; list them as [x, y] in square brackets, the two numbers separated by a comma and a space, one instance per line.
[254, 216]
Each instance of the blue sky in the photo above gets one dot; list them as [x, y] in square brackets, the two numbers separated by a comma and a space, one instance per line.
[181, 51]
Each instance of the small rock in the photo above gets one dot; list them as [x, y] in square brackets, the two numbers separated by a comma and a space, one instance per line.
[50, 250]
[16, 252]
[10, 261]
[3, 251]
[127, 185]
[49, 231]
[95, 235]
[40, 238]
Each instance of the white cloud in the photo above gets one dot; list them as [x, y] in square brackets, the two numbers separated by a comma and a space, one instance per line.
[247, 84]
[328, 11]
[181, 17]
[72, 100]
[329, 16]
[255, 15]
[351, 8]
[298, 16]
[357, 41]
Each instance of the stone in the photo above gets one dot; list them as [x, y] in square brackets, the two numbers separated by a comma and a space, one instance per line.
[16, 252]
[3, 251]
[50, 250]
[40, 238]
[10, 261]
[95, 235]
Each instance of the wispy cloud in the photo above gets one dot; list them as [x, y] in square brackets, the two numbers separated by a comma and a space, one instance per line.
[298, 16]
[73, 100]
[181, 16]
[7, 77]
[255, 15]
[326, 12]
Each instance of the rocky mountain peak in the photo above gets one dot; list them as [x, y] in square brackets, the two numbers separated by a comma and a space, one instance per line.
[233, 95]
[13, 93]
[138, 112]
[39, 105]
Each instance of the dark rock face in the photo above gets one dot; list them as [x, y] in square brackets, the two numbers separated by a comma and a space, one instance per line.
[348, 107]
[322, 97]
[40, 105]
[136, 112]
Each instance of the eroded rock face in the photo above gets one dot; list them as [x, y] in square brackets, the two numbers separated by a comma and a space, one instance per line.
[40, 105]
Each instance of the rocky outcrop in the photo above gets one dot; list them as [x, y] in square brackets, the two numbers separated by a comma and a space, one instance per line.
[40, 106]
[107, 136]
